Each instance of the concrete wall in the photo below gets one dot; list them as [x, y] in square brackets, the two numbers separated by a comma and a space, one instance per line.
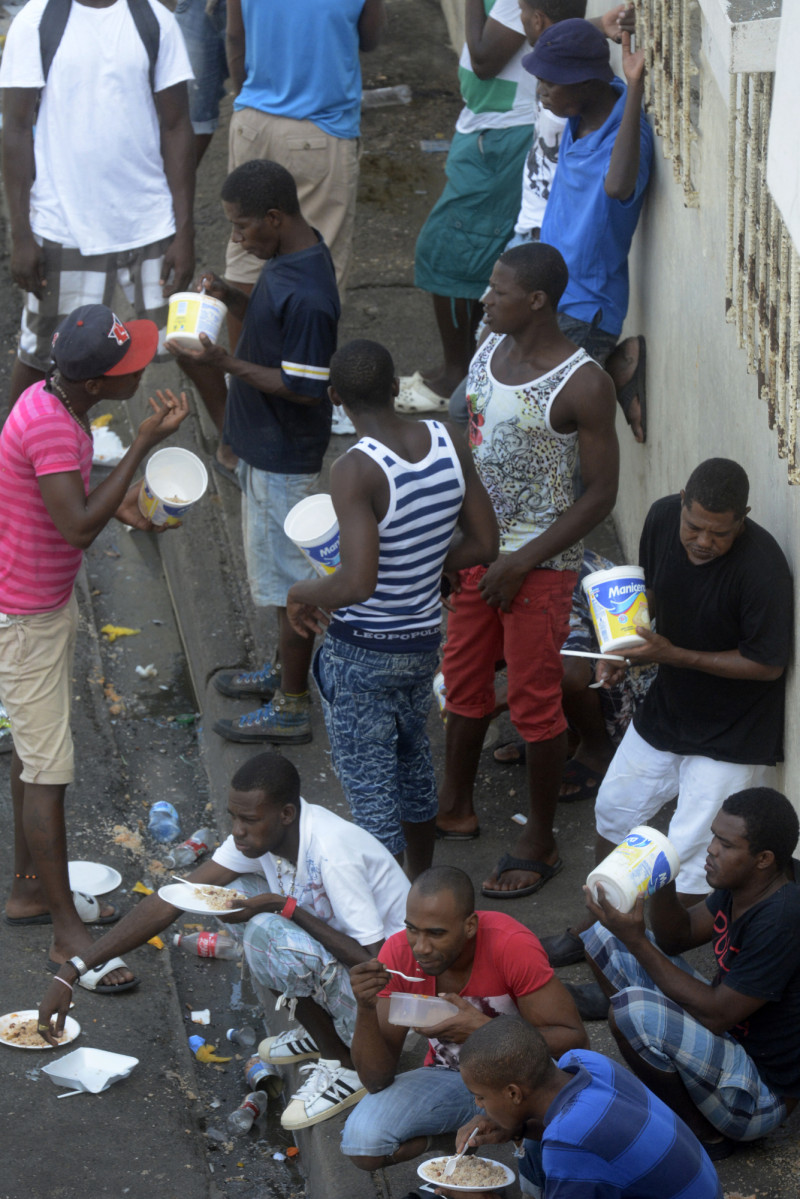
[701, 400]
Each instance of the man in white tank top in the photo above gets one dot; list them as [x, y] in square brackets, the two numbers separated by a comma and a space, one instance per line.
[410, 505]
[534, 401]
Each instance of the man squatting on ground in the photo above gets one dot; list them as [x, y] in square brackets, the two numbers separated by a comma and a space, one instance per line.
[725, 1054]
[322, 895]
[712, 722]
[103, 196]
[485, 963]
[584, 1127]
[534, 400]
[50, 518]
[277, 420]
[409, 505]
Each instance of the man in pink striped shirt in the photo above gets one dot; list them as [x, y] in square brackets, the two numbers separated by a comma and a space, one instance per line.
[51, 516]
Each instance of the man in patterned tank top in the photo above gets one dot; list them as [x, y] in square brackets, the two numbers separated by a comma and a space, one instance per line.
[409, 505]
[535, 401]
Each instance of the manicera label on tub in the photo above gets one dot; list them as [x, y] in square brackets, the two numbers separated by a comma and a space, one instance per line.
[618, 603]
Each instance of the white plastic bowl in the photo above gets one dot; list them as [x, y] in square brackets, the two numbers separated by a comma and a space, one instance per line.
[419, 1011]
[92, 1070]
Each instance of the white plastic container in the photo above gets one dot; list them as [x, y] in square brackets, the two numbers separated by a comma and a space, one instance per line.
[92, 1070]
[419, 1011]
[644, 862]
[313, 527]
[190, 314]
[618, 602]
[174, 479]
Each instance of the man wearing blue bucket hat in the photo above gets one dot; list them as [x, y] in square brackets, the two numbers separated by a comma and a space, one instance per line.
[51, 518]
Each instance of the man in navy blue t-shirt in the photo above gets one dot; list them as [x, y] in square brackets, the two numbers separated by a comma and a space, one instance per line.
[277, 420]
[585, 1127]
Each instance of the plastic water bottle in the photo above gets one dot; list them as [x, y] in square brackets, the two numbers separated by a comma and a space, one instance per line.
[164, 824]
[263, 1076]
[209, 945]
[240, 1121]
[244, 1036]
[380, 97]
[198, 844]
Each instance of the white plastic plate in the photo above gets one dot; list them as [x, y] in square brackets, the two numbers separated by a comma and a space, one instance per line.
[71, 1030]
[451, 1186]
[182, 895]
[93, 877]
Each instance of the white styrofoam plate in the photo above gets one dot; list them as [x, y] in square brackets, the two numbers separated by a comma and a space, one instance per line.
[71, 1030]
[183, 895]
[93, 877]
[439, 1182]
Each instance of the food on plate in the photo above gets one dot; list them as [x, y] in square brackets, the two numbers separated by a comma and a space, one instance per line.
[25, 1033]
[217, 898]
[470, 1171]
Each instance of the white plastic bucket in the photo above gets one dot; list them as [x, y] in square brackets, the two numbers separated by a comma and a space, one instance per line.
[618, 602]
[174, 479]
[190, 314]
[644, 862]
[313, 527]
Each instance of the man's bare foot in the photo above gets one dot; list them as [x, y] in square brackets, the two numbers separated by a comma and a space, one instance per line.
[622, 365]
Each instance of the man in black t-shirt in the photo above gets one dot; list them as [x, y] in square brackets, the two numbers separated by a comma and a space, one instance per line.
[724, 1055]
[713, 719]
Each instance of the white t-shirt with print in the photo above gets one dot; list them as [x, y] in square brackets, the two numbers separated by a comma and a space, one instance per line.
[100, 182]
[509, 98]
[344, 876]
[540, 169]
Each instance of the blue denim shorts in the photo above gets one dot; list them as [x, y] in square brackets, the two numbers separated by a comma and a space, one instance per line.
[204, 35]
[423, 1102]
[595, 341]
[274, 562]
[376, 706]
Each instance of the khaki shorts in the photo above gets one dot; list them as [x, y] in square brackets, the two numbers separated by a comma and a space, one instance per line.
[325, 169]
[36, 658]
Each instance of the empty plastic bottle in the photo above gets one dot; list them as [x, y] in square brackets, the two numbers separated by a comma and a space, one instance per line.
[255, 1104]
[208, 945]
[164, 824]
[244, 1036]
[380, 97]
[191, 850]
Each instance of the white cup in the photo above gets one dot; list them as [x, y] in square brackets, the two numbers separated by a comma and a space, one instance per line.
[313, 527]
[174, 479]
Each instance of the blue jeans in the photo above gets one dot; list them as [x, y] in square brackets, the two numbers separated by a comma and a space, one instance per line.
[204, 36]
[376, 706]
[423, 1102]
[273, 562]
[595, 341]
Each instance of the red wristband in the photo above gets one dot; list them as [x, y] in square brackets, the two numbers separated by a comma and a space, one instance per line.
[288, 908]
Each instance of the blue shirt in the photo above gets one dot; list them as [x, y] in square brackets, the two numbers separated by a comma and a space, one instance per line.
[607, 1137]
[592, 230]
[301, 61]
[290, 323]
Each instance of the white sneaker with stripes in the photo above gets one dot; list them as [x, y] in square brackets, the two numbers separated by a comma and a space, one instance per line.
[294, 1045]
[328, 1090]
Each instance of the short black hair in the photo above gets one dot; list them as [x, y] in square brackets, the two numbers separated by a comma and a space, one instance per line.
[558, 10]
[362, 374]
[259, 185]
[770, 820]
[271, 774]
[447, 878]
[718, 485]
[507, 1050]
[537, 266]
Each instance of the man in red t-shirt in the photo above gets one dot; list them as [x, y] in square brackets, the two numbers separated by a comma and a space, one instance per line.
[486, 964]
[52, 517]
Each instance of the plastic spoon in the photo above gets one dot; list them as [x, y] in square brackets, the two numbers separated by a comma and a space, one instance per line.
[408, 977]
[452, 1162]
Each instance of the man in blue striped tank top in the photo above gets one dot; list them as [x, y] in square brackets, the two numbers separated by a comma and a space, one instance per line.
[409, 505]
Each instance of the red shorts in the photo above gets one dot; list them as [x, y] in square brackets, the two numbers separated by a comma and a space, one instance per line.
[529, 638]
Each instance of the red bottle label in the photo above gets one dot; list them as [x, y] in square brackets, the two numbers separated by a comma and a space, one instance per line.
[207, 945]
[249, 1106]
[196, 846]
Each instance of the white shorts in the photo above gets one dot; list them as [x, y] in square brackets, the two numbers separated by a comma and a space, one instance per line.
[641, 779]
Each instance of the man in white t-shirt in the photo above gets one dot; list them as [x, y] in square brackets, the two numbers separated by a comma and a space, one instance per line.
[322, 895]
[104, 195]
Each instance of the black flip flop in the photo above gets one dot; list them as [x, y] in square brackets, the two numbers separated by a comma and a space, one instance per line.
[587, 780]
[443, 834]
[530, 864]
[636, 386]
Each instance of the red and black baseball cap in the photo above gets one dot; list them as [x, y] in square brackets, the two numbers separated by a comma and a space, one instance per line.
[92, 341]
